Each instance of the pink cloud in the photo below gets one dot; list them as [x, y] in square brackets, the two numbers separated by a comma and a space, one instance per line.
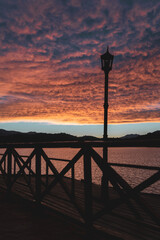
[50, 62]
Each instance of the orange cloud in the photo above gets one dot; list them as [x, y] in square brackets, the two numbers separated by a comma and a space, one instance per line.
[50, 61]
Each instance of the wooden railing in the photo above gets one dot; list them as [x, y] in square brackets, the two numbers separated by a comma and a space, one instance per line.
[14, 167]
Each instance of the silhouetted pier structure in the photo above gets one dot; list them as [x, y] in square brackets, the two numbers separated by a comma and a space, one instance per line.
[126, 214]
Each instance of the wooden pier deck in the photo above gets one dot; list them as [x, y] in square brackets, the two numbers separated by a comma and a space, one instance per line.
[120, 223]
[121, 211]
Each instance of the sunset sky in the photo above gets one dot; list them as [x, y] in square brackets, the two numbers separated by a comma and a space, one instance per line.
[50, 74]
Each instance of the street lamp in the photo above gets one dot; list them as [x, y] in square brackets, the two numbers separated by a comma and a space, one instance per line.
[106, 64]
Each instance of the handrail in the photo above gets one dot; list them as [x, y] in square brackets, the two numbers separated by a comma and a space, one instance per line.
[60, 144]
[14, 165]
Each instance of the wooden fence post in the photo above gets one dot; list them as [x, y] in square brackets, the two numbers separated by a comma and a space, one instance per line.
[5, 165]
[88, 190]
[14, 168]
[38, 175]
[29, 173]
[9, 170]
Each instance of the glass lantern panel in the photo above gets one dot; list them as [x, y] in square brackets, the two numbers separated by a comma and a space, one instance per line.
[107, 63]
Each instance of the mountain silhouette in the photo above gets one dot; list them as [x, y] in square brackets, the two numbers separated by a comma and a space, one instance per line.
[148, 140]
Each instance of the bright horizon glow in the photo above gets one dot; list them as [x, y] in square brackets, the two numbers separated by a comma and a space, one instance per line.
[67, 123]
[114, 130]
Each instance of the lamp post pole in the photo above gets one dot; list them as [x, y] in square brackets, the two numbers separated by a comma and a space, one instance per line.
[106, 61]
[105, 136]
[105, 193]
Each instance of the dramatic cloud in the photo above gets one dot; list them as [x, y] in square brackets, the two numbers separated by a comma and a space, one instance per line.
[50, 60]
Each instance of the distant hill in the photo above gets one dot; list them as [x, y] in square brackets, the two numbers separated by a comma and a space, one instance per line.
[129, 136]
[148, 140]
[89, 138]
[7, 133]
[155, 134]
[14, 136]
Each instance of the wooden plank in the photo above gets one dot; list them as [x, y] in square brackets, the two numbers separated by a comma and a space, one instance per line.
[120, 222]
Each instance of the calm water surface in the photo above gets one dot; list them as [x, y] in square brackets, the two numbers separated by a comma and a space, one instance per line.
[139, 156]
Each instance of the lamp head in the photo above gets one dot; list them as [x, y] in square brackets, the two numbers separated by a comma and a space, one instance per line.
[107, 61]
